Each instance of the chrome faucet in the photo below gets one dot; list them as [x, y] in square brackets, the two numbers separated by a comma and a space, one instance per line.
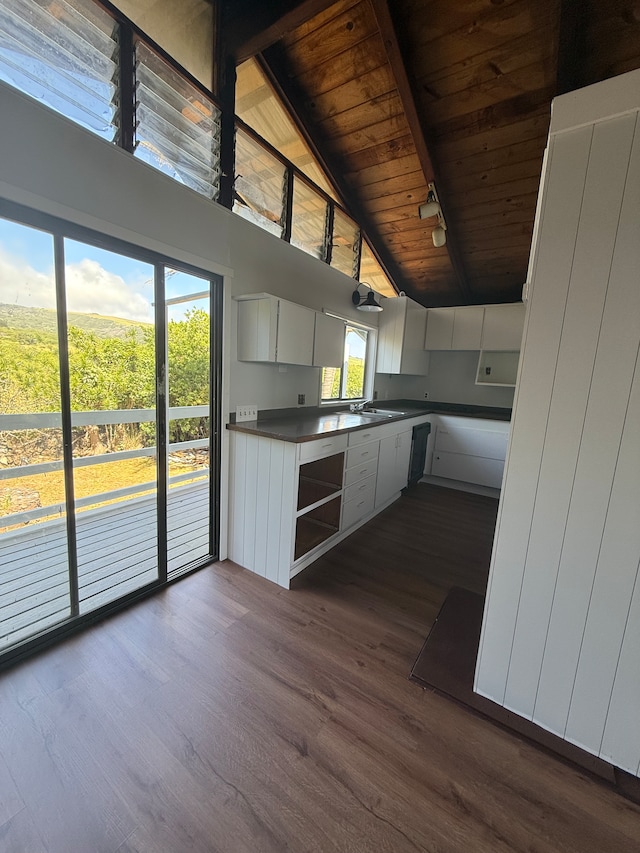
[359, 407]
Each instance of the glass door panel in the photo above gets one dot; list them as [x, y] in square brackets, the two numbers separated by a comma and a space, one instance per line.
[34, 574]
[111, 341]
[188, 309]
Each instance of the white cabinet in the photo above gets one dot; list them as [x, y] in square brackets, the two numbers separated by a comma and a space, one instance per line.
[503, 325]
[454, 328]
[470, 450]
[497, 368]
[290, 503]
[328, 344]
[401, 338]
[475, 327]
[274, 330]
[439, 335]
[467, 327]
[393, 466]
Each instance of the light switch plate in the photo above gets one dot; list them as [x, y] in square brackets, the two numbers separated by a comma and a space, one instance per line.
[246, 413]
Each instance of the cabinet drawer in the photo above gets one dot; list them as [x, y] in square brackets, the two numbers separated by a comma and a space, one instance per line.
[363, 453]
[360, 489]
[359, 472]
[362, 436]
[356, 509]
[468, 469]
[475, 442]
[322, 447]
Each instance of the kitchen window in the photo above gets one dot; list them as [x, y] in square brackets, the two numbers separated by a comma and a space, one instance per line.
[354, 380]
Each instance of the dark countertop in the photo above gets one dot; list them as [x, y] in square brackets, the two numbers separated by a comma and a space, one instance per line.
[310, 424]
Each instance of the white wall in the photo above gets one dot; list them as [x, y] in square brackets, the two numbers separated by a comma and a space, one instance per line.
[451, 379]
[561, 635]
[50, 164]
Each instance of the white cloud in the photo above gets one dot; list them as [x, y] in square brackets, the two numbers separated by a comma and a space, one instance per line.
[90, 289]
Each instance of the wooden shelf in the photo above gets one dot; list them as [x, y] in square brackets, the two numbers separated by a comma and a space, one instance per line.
[316, 526]
[320, 479]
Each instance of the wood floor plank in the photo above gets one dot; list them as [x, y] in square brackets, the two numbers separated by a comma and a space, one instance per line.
[228, 714]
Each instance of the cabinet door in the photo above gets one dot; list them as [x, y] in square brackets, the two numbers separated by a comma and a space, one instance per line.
[328, 345]
[467, 328]
[403, 456]
[439, 328]
[296, 326]
[503, 325]
[390, 336]
[387, 477]
[415, 361]
[257, 328]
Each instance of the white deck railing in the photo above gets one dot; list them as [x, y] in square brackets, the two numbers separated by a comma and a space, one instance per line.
[53, 420]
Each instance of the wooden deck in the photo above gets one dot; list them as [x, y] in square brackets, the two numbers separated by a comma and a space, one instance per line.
[117, 553]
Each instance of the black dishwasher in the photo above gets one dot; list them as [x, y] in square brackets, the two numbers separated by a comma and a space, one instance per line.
[418, 452]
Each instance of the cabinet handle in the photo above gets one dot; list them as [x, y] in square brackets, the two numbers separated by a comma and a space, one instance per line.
[324, 446]
[361, 488]
[362, 471]
[366, 434]
[365, 453]
[361, 503]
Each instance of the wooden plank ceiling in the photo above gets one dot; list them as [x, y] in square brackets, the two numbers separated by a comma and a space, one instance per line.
[397, 94]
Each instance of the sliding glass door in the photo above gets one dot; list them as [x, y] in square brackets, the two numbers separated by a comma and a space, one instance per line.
[35, 584]
[109, 402]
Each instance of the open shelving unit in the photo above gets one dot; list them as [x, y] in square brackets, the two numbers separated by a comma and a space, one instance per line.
[319, 502]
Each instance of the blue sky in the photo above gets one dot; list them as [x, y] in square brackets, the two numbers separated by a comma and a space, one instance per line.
[97, 281]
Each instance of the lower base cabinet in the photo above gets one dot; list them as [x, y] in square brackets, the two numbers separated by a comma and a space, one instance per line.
[393, 466]
[470, 450]
[289, 503]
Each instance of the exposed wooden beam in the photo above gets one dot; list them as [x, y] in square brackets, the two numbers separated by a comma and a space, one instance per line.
[387, 29]
[251, 27]
[572, 52]
[273, 66]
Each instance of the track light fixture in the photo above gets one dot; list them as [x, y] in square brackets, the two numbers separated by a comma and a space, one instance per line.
[365, 303]
[432, 208]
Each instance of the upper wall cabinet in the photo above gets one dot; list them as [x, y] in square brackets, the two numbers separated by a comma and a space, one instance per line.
[503, 326]
[439, 329]
[274, 330]
[328, 345]
[454, 328]
[475, 327]
[467, 327]
[401, 338]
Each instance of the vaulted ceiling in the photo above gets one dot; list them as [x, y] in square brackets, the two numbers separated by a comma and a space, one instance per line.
[394, 94]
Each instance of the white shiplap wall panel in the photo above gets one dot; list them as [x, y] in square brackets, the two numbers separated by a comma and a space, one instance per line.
[616, 575]
[287, 518]
[250, 501]
[274, 511]
[600, 211]
[621, 741]
[238, 455]
[608, 399]
[567, 160]
[263, 474]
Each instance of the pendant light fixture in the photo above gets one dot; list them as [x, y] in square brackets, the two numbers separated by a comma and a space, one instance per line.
[432, 208]
[365, 303]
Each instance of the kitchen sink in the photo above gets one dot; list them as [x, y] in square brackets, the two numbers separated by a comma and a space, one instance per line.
[382, 413]
[390, 412]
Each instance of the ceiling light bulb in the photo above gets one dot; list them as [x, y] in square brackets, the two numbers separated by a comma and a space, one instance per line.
[439, 236]
[429, 208]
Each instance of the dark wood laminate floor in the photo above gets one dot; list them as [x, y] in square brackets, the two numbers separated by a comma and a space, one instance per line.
[226, 714]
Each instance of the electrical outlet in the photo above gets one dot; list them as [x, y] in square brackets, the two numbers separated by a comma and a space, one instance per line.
[246, 413]
[426, 395]
[301, 399]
